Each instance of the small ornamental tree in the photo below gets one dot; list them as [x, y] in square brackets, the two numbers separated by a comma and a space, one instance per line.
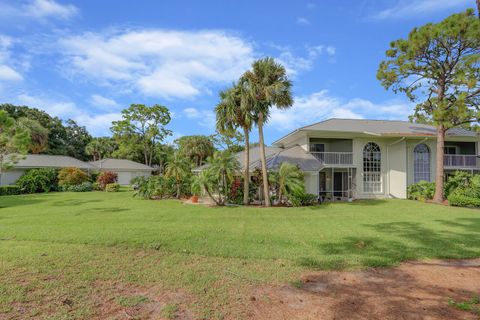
[438, 66]
[107, 177]
[71, 177]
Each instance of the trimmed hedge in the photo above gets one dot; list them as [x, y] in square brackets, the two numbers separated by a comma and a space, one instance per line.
[112, 187]
[82, 187]
[460, 198]
[10, 190]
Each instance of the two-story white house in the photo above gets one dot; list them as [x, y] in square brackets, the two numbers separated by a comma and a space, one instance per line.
[377, 158]
[360, 159]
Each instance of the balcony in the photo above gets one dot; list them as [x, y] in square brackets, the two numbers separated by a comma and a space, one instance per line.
[460, 161]
[334, 158]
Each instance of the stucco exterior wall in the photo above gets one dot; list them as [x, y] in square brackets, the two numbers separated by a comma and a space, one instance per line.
[396, 178]
[10, 177]
[311, 182]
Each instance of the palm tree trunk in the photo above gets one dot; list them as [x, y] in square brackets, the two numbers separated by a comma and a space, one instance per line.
[266, 193]
[178, 190]
[439, 169]
[246, 173]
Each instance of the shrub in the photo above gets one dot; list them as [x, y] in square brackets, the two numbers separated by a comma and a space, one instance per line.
[107, 177]
[97, 187]
[112, 187]
[422, 190]
[299, 199]
[235, 194]
[71, 176]
[10, 190]
[82, 187]
[38, 180]
[460, 179]
[462, 198]
[155, 187]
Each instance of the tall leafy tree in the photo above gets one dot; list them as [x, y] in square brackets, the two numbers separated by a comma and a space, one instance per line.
[266, 86]
[179, 168]
[38, 135]
[143, 125]
[438, 65]
[77, 138]
[100, 148]
[196, 148]
[14, 141]
[233, 112]
[57, 134]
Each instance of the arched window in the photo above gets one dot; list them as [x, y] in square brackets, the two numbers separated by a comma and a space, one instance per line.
[372, 176]
[421, 163]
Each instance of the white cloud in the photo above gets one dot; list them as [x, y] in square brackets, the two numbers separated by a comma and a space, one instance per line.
[206, 118]
[37, 10]
[49, 8]
[303, 21]
[7, 71]
[414, 8]
[103, 102]
[295, 63]
[320, 105]
[158, 63]
[96, 124]
[8, 74]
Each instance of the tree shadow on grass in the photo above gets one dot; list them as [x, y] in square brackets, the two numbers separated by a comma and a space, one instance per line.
[76, 202]
[397, 242]
[17, 201]
[101, 210]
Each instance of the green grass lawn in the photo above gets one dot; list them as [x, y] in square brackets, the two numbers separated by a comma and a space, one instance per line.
[87, 244]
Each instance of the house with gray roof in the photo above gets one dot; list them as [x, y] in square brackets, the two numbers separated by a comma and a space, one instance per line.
[360, 159]
[126, 169]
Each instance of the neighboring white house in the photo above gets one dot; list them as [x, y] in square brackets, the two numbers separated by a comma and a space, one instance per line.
[125, 169]
[347, 159]
[34, 161]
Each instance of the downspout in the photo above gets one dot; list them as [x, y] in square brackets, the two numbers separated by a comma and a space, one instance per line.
[388, 163]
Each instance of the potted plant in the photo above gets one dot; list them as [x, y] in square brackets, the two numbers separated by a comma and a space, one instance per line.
[196, 190]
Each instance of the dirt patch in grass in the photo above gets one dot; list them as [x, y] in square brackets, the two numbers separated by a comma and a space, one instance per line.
[413, 290]
[126, 301]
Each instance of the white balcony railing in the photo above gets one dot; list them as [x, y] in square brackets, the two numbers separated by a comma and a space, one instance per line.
[460, 160]
[336, 158]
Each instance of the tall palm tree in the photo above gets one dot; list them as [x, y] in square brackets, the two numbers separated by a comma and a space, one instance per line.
[232, 112]
[267, 85]
[178, 168]
[94, 149]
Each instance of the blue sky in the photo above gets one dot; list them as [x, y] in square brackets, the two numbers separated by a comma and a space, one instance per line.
[88, 59]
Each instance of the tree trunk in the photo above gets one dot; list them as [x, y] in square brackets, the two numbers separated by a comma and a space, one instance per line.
[178, 190]
[246, 173]
[264, 162]
[439, 170]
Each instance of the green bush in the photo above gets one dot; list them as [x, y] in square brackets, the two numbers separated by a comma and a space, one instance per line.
[112, 187]
[460, 179]
[155, 187]
[38, 180]
[10, 190]
[422, 190]
[463, 198]
[82, 187]
[300, 199]
[96, 186]
[71, 176]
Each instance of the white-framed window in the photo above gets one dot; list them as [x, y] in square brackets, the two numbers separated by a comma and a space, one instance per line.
[421, 163]
[372, 175]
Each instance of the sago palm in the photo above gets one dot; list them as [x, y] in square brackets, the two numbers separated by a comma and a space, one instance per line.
[267, 85]
[233, 112]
